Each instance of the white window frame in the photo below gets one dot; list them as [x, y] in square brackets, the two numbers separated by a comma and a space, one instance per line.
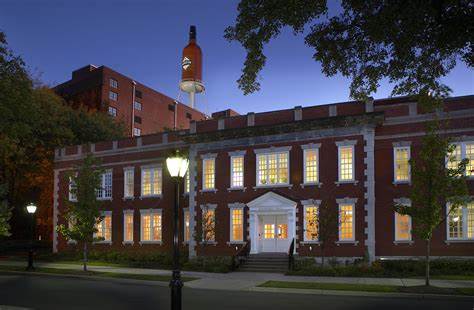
[113, 95]
[151, 213]
[137, 132]
[401, 146]
[187, 183]
[310, 203]
[126, 170]
[234, 155]
[105, 241]
[462, 145]
[125, 214]
[112, 111]
[137, 105]
[464, 237]
[104, 188]
[311, 147]
[152, 176]
[113, 83]
[272, 151]
[232, 207]
[404, 202]
[72, 197]
[204, 158]
[346, 144]
[352, 202]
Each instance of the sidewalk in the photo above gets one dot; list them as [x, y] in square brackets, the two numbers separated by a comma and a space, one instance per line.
[247, 280]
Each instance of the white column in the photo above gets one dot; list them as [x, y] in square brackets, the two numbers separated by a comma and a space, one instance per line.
[253, 223]
[292, 226]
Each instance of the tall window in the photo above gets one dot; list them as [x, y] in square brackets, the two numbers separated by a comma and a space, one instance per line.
[137, 132]
[128, 226]
[150, 225]
[105, 191]
[187, 182]
[128, 182]
[470, 155]
[311, 159]
[272, 168]
[208, 224]
[346, 222]
[186, 226]
[237, 171]
[151, 181]
[137, 106]
[401, 166]
[402, 227]
[113, 96]
[462, 150]
[72, 190]
[237, 224]
[461, 223]
[311, 223]
[346, 163]
[112, 111]
[113, 83]
[104, 227]
[208, 173]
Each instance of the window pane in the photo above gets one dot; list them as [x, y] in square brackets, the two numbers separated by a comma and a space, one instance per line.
[237, 224]
[456, 224]
[311, 166]
[282, 168]
[272, 168]
[107, 184]
[402, 228]
[470, 221]
[311, 222]
[262, 169]
[100, 229]
[209, 165]
[187, 182]
[208, 223]
[237, 173]
[108, 228]
[129, 190]
[146, 182]
[156, 181]
[401, 164]
[282, 231]
[128, 227]
[157, 227]
[455, 157]
[113, 96]
[346, 222]
[187, 231]
[269, 231]
[345, 163]
[470, 156]
[146, 227]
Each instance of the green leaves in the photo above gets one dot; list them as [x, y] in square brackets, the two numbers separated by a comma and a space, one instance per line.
[5, 213]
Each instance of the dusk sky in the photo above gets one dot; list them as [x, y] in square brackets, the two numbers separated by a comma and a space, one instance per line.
[144, 40]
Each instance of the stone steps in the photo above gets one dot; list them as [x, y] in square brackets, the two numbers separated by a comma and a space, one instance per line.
[266, 262]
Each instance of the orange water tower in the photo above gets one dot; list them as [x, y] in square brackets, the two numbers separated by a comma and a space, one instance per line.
[191, 66]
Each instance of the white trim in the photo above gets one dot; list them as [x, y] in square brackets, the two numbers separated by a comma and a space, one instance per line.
[232, 187]
[151, 212]
[152, 169]
[203, 168]
[104, 188]
[125, 213]
[125, 170]
[352, 202]
[237, 153]
[209, 155]
[268, 150]
[345, 144]
[232, 207]
[266, 153]
[400, 147]
[316, 204]
[306, 148]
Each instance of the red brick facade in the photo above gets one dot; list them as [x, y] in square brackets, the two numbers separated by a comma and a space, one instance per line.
[373, 128]
[90, 87]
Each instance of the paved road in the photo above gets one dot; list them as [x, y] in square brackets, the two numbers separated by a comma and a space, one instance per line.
[53, 292]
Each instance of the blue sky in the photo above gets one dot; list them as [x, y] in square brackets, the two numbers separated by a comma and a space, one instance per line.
[143, 39]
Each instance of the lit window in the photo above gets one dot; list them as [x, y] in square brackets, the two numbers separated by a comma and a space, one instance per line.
[462, 151]
[128, 184]
[402, 227]
[208, 172]
[187, 182]
[72, 190]
[208, 224]
[269, 231]
[272, 168]
[113, 83]
[150, 225]
[105, 190]
[104, 227]
[137, 132]
[470, 156]
[311, 165]
[151, 181]
[311, 223]
[128, 226]
[187, 229]
[113, 95]
[237, 171]
[461, 222]
[237, 224]
[137, 106]
[112, 111]
[455, 157]
[401, 164]
[346, 222]
[282, 230]
[346, 163]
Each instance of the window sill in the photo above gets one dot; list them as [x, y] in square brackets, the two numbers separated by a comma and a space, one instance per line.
[403, 242]
[214, 243]
[272, 186]
[150, 242]
[448, 242]
[211, 190]
[103, 242]
[354, 243]
[150, 196]
[311, 242]
[401, 183]
[353, 182]
[235, 242]
[230, 189]
[318, 184]
[128, 198]
[72, 242]
[127, 242]
[104, 199]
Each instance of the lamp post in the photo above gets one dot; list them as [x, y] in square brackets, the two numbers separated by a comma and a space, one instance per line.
[31, 208]
[177, 166]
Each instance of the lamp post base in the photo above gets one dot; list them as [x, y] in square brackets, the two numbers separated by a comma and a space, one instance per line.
[30, 266]
[176, 284]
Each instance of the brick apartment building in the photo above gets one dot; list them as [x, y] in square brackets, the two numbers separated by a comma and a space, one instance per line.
[263, 176]
[143, 110]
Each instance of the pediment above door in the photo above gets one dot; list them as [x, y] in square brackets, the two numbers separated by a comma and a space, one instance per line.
[271, 201]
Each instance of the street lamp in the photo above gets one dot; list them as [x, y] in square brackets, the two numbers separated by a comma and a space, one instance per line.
[177, 166]
[31, 208]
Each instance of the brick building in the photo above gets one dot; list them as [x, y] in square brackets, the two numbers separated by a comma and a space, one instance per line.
[103, 89]
[261, 177]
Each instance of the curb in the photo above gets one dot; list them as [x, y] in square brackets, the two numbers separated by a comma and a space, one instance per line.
[356, 293]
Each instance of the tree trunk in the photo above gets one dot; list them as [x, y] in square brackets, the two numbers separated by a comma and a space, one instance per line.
[427, 262]
[85, 257]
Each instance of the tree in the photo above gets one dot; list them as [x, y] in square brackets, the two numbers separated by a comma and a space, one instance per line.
[412, 44]
[327, 226]
[206, 232]
[5, 213]
[437, 181]
[83, 215]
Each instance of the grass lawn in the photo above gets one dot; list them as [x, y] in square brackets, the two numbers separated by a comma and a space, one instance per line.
[454, 277]
[147, 277]
[369, 288]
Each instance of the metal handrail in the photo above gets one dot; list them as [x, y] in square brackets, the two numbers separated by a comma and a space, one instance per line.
[291, 259]
[241, 254]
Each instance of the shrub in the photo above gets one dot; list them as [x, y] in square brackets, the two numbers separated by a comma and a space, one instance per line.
[221, 264]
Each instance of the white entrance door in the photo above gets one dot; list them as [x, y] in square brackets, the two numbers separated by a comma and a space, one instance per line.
[274, 233]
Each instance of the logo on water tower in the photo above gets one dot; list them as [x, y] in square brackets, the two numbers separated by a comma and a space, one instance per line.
[186, 63]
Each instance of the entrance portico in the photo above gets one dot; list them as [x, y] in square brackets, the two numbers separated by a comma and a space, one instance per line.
[272, 221]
